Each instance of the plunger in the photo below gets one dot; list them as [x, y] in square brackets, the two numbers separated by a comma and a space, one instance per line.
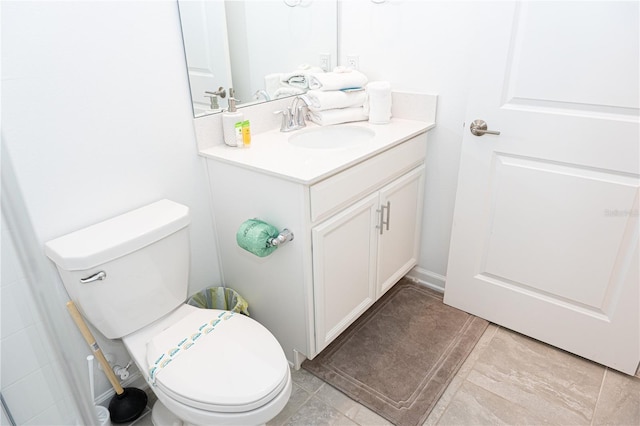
[128, 403]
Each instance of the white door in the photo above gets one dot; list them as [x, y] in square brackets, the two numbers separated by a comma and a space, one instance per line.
[344, 272]
[399, 242]
[204, 29]
[545, 235]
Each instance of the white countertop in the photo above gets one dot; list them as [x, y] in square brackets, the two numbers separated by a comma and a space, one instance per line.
[271, 153]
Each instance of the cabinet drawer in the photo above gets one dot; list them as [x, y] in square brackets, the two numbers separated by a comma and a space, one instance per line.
[350, 185]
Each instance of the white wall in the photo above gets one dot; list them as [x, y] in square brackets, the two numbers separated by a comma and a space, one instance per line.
[28, 366]
[97, 118]
[422, 46]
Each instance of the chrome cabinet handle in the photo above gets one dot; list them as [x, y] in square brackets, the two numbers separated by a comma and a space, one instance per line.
[384, 223]
[479, 128]
[388, 214]
[95, 277]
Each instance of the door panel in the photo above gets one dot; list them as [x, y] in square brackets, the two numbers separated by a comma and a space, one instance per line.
[344, 248]
[545, 235]
[546, 242]
[398, 247]
[568, 56]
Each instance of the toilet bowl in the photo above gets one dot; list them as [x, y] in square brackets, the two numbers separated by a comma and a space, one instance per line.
[235, 375]
[129, 278]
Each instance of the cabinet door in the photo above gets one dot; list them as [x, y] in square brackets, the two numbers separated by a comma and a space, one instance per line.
[399, 237]
[344, 252]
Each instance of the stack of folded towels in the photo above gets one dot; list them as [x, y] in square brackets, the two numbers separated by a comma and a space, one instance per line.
[340, 96]
[337, 97]
[282, 85]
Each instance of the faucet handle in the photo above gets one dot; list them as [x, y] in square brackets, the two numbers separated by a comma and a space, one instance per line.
[286, 118]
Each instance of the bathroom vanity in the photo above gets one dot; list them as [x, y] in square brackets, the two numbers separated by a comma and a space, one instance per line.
[355, 210]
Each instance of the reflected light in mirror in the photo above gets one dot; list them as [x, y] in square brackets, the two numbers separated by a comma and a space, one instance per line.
[251, 44]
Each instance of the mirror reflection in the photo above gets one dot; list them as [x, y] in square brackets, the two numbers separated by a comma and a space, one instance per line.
[261, 48]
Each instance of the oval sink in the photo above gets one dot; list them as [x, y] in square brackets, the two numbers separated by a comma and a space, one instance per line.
[331, 137]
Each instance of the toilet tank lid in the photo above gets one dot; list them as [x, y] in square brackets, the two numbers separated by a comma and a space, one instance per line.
[116, 237]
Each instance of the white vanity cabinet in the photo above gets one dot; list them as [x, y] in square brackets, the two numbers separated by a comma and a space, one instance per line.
[362, 251]
[340, 260]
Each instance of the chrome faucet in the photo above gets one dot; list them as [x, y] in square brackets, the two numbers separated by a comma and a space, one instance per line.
[293, 117]
[300, 110]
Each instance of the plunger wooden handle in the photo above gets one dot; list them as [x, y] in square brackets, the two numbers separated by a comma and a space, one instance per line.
[91, 341]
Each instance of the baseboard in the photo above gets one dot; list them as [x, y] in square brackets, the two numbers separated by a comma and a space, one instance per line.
[134, 381]
[427, 278]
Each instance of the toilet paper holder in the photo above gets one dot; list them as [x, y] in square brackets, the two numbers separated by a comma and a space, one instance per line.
[283, 237]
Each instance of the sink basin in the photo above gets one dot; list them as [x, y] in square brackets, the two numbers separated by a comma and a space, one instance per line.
[331, 137]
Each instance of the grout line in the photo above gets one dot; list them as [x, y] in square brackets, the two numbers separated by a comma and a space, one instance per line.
[595, 407]
[461, 376]
[301, 405]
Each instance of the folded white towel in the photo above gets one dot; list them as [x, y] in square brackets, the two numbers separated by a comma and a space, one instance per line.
[285, 91]
[379, 102]
[300, 81]
[337, 116]
[337, 80]
[335, 99]
[301, 76]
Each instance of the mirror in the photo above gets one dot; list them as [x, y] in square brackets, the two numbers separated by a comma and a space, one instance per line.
[250, 44]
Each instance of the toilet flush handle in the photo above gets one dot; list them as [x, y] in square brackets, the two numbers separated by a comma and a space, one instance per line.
[95, 277]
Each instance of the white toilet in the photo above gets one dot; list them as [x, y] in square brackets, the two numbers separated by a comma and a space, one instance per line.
[129, 277]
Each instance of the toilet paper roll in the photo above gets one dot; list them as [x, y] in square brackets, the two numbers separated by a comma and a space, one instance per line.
[254, 236]
[379, 93]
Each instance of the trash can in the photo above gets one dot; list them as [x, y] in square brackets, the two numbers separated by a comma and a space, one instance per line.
[220, 298]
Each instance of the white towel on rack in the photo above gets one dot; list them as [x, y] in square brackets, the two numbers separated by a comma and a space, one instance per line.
[336, 99]
[337, 116]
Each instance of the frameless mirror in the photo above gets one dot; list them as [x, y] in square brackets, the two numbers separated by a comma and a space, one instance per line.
[251, 44]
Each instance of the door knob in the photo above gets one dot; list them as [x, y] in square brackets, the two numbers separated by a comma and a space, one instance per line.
[479, 128]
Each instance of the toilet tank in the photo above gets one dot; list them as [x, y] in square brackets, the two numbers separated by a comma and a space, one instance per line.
[143, 260]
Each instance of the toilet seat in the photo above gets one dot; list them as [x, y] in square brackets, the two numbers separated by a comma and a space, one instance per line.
[219, 361]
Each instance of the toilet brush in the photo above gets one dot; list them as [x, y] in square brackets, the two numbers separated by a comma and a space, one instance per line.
[101, 412]
[128, 403]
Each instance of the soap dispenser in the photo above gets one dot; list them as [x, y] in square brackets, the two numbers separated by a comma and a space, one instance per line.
[229, 119]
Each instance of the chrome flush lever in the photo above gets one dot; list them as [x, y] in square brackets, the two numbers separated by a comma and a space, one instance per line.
[95, 277]
[479, 128]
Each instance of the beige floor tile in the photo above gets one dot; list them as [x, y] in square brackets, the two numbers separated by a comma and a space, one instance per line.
[619, 402]
[315, 412]
[473, 405]
[144, 420]
[350, 408]
[560, 387]
[306, 380]
[461, 375]
[297, 399]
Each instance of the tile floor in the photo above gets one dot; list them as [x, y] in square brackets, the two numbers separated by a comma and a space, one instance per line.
[508, 379]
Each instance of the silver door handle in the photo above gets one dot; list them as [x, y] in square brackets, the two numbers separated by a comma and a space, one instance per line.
[479, 128]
